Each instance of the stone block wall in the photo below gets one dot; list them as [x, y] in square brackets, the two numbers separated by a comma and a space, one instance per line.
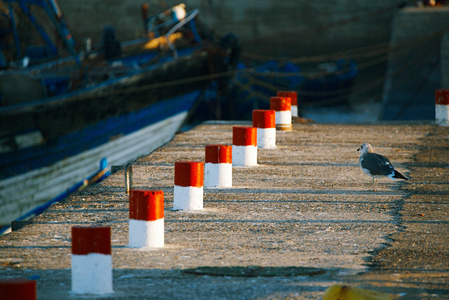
[267, 27]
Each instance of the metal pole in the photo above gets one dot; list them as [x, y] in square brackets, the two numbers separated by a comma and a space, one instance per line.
[129, 177]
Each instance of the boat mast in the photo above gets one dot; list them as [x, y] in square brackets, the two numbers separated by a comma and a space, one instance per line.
[54, 13]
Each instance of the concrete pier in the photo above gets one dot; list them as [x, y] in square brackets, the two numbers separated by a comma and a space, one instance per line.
[305, 218]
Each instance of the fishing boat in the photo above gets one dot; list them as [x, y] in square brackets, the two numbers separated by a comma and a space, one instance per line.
[323, 84]
[64, 122]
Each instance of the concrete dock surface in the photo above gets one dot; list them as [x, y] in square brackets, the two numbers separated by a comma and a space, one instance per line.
[302, 220]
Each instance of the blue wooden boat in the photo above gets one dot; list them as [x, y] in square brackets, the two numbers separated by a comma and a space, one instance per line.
[61, 118]
[324, 84]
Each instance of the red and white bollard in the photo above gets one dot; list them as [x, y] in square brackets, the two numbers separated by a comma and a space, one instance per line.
[244, 146]
[265, 122]
[442, 107]
[189, 181]
[218, 166]
[293, 97]
[91, 260]
[282, 106]
[17, 289]
[146, 219]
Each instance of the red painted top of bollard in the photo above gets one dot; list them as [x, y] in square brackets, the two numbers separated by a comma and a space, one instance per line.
[442, 97]
[244, 136]
[280, 103]
[189, 173]
[264, 118]
[146, 205]
[291, 94]
[17, 289]
[219, 154]
[93, 239]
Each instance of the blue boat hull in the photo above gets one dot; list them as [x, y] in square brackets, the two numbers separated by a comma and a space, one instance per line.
[36, 174]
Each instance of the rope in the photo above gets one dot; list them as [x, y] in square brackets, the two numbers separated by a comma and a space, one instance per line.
[171, 83]
[354, 53]
[333, 25]
[359, 14]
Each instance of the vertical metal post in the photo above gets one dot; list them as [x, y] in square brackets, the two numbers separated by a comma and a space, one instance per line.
[129, 177]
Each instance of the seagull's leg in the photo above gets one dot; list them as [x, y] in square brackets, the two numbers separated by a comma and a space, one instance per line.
[375, 183]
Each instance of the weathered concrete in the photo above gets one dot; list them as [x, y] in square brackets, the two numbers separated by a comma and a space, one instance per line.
[307, 204]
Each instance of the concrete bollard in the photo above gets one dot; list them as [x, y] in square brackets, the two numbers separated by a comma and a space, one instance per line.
[244, 146]
[442, 107]
[17, 289]
[91, 260]
[146, 219]
[218, 166]
[189, 180]
[282, 106]
[293, 97]
[265, 122]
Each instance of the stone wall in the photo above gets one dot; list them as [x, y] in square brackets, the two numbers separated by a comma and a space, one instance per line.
[266, 27]
[297, 27]
[86, 19]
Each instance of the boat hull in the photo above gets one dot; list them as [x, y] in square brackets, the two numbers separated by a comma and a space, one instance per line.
[23, 192]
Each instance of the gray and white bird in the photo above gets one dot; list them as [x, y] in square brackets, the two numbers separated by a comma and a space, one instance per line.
[376, 165]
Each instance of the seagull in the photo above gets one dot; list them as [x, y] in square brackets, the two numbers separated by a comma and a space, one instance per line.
[376, 165]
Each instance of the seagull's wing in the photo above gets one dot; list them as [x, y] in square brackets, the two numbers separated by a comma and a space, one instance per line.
[376, 164]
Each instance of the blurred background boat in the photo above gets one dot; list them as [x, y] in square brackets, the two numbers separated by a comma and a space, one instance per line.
[321, 85]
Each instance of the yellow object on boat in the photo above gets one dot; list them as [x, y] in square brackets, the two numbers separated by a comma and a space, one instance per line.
[162, 42]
